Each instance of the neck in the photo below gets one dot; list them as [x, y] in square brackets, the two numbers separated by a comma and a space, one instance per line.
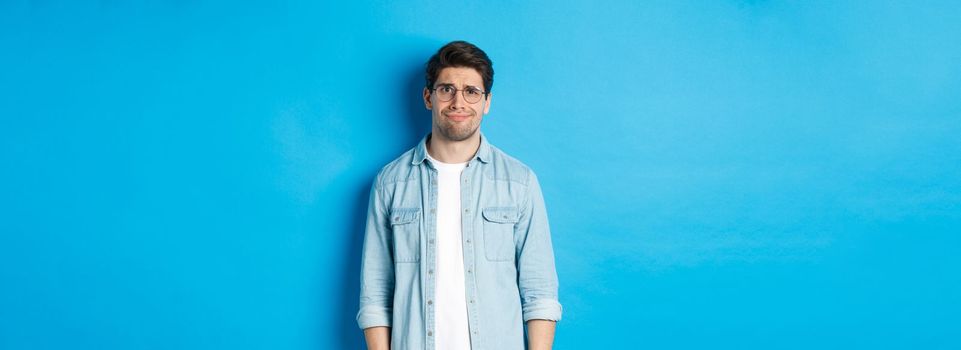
[448, 151]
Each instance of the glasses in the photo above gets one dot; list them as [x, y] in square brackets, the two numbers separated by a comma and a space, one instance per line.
[445, 93]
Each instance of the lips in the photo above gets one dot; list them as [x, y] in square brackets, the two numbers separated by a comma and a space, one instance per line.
[458, 117]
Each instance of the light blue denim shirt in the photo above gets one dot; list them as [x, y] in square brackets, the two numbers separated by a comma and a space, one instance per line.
[508, 259]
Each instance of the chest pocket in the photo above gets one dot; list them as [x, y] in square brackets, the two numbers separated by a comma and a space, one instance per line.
[499, 232]
[406, 230]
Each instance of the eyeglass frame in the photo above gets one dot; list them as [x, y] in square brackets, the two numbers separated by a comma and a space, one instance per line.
[462, 92]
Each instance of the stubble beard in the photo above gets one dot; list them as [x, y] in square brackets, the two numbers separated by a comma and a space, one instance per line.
[458, 131]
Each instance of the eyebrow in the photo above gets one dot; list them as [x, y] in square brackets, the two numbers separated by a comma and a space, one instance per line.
[450, 84]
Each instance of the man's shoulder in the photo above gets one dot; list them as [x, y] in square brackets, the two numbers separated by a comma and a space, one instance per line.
[503, 166]
[397, 169]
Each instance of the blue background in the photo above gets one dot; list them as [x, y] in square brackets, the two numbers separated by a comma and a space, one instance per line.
[724, 175]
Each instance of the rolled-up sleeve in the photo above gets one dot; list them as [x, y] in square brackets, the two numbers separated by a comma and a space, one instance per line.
[536, 274]
[376, 267]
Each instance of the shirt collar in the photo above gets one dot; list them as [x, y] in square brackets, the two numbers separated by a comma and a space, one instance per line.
[483, 152]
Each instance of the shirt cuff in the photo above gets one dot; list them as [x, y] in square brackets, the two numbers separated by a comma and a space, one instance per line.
[372, 316]
[542, 309]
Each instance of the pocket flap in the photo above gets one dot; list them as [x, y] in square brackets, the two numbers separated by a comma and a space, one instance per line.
[400, 216]
[504, 215]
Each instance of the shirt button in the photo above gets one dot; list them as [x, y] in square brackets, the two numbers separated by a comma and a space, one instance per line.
[430, 271]
[432, 241]
[472, 301]
[505, 216]
[466, 210]
[429, 333]
[430, 302]
[468, 241]
[469, 271]
[432, 210]
[396, 218]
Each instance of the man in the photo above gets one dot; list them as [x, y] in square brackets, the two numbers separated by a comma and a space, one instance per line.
[457, 250]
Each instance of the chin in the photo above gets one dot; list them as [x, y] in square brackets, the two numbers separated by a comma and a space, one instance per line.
[459, 136]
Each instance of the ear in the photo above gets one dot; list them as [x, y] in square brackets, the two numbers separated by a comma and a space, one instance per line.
[427, 99]
[487, 103]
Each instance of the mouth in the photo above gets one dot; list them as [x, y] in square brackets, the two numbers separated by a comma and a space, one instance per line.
[458, 117]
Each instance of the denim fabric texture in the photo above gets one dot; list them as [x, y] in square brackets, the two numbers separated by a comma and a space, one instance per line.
[508, 256]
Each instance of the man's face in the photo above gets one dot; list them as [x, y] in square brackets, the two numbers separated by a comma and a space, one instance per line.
[457, 119]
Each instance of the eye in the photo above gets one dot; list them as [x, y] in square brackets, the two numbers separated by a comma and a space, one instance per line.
[473, 91]
[446, 89]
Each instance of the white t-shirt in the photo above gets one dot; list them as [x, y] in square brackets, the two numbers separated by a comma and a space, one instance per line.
[450, 298]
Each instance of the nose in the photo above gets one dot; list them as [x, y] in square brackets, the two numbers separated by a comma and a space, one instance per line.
[458, 100]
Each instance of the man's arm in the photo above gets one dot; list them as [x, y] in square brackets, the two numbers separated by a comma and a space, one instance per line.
[378, 338]
[376, 273]
[536, 275]
[540, 334]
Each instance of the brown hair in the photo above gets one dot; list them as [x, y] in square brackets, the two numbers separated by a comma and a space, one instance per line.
[460, 54]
